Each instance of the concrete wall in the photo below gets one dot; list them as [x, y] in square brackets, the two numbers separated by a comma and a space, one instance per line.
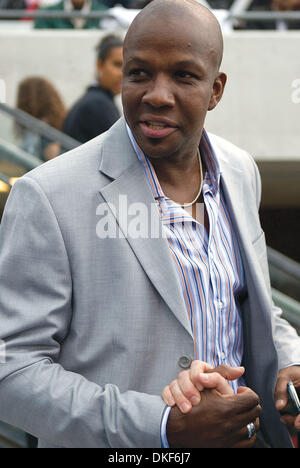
[261, 106]
[260, 110]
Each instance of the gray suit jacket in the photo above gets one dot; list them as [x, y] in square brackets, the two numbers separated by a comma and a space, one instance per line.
[95, 328]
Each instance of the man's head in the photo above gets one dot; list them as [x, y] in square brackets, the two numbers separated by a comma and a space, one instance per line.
[78, 4]
[172, 54]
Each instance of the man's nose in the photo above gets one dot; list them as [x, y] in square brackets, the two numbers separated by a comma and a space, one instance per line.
[159, 94]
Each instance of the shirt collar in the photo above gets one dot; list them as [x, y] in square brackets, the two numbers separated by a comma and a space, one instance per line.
[78, 23]
[209, 161]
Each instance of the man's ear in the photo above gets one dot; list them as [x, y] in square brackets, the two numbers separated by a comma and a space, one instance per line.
[217, 92]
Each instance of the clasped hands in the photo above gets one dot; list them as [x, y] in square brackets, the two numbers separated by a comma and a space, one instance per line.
[205, 412]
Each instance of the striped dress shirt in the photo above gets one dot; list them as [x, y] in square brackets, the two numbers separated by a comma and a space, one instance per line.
[209, 265]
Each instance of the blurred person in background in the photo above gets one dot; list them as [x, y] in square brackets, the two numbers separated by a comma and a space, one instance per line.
[113, 3]
[39, 98]
[270, 5]
[220, 4]
[96, 112]
[85, 6]
[140, 3]
[47, 3]
[286, 5]
[12, 4]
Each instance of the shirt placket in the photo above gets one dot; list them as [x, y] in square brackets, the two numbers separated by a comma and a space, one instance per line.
[212, 200]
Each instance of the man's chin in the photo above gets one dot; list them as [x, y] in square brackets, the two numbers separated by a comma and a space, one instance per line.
[157, 147]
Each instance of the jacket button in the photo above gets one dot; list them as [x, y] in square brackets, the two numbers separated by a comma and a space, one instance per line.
[185, 361]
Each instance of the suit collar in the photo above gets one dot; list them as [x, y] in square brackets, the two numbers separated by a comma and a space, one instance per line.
[117, 151]
[231, 180]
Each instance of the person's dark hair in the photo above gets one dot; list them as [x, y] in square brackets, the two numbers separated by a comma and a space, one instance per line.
[106, 45]
[39, 98]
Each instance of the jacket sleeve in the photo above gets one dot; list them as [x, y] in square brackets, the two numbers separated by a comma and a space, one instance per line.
[36, 393]
[287, 341]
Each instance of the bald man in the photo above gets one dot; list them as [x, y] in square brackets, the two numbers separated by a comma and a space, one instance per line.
[143, 263]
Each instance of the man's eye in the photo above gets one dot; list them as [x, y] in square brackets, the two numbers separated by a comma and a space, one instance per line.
[186, 75]
[137, 74]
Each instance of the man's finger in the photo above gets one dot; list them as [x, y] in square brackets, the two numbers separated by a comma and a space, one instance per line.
[245, 442]
[181, 401]
[197, 368]
[245, 400]
[288, 420]
[167, 396]
[216, 381]
[228, 372]
[188, 389]
[281, 394]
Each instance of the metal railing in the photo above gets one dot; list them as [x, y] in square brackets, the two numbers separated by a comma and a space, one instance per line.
[284, 273]
[285, 280]
[290, 308]
[4, 178]
[284, 263]
[42, 128]
[11, 437]
[289, 16]
[15, 155]
[21, 14]
[267, 16]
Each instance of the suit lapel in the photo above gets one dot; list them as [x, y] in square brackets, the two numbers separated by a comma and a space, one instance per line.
[232, 184]
[129, 191]
[260, 353]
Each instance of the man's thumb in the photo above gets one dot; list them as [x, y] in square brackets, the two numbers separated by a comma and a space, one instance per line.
[281, 397]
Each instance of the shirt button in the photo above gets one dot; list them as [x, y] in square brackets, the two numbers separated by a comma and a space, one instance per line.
[220, 305]
[185, 361]
[223, 356]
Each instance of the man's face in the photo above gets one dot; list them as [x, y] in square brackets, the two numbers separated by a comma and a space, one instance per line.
[168, 84]
[78, 4]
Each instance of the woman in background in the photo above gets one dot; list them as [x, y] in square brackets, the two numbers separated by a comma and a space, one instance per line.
[96, 112]
[39, 98]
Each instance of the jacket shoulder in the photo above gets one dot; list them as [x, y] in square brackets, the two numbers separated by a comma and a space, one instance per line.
[233, 156]
[77, 166]
[230, 151]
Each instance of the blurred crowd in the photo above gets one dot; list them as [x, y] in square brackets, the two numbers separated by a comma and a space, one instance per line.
[259, 5]
[92, 114]
[84, 6]
[21, 4]
[87, 6]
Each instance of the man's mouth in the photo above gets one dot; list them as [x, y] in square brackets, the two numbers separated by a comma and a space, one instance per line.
[156, 125]
[156, 129]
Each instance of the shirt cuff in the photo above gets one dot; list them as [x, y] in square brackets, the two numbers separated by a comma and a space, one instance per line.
[163, 427]
[291, 365]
